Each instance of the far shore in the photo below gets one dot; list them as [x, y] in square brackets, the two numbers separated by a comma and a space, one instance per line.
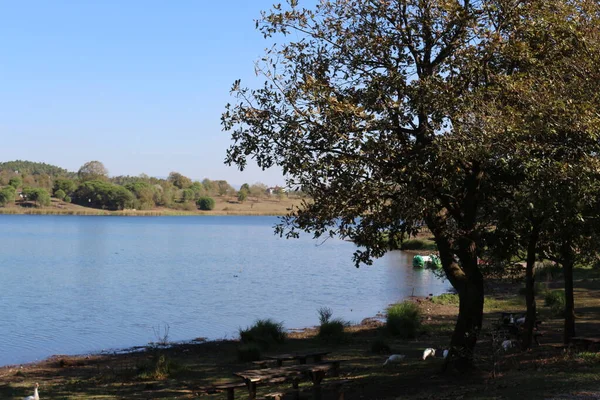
[223, 206]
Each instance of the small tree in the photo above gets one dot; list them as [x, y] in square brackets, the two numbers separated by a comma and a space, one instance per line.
[15, 182]
[187, 195]
[206, 203]
[7, 195]
[60, 194]
[242, 195]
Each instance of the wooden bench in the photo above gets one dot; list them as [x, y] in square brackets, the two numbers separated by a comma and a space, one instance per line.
[587, 343]
[302, 358]
[229, 388]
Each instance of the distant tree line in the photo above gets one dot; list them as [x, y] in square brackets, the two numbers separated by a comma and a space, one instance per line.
[35, 183]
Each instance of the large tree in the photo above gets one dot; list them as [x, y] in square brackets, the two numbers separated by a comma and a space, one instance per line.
[374, 108]
[92, 171]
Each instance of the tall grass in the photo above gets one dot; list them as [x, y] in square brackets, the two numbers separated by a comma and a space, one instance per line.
[331, 330]
[264, 333]
[446, 299]
[404, 320]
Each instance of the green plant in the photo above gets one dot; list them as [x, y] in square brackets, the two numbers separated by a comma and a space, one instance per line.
[555, 299]
[446, 299]
[67, 199]
[379, 346]
[404, 319]
[417, 244]
[159, 367]
[60, 194]
[248, 352]
[325, 314]
[206, 203]
[333, 331]
[264, 332]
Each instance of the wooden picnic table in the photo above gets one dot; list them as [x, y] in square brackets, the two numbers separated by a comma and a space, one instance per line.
[317, 356]
[316, 373]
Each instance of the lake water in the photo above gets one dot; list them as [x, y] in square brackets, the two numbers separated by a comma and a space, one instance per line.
[77, 284]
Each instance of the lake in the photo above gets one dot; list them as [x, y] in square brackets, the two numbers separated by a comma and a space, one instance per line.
[81, 284]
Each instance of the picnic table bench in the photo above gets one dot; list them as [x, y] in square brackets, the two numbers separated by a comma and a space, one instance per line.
[315, 372]
[317, 356]
[586, 342]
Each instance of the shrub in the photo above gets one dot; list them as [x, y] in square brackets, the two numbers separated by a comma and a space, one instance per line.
[7, 195]
[325, 314]
[555, 299]
[379, 346]
[159, 367]
[333, 331]
[67, 199]
[404, 320]
[60, 194]
[248, 352]
[264, 332]
[206, 203]
[418, 244]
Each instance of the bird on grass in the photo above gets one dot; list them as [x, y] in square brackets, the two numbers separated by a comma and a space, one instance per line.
[394, 358]
[429, 352]
[35, 396]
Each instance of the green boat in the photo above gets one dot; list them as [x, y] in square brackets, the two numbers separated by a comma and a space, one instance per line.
[432, 261]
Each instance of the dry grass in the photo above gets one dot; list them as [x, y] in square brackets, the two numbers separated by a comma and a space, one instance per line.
[223, 206]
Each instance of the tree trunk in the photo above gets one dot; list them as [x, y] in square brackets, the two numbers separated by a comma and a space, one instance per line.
[470, 292]
[568, 261]
[530, 289]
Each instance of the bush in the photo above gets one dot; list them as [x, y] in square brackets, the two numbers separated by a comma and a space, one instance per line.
[418, 244]
[379, 346]
[248, 352]
[404, 320]
[38, 195]
[7, 195]
[325, 314]
[555, 299]
[206, 203]
[264, 332]
[333, 331]
[67, 199]
[60, 194]
[159, 367]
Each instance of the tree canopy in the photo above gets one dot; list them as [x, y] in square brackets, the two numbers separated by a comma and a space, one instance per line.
[390, 113]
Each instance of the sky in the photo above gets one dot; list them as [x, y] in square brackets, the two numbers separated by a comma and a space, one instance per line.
[139, 85]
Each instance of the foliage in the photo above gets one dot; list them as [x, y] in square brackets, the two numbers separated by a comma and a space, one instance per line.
[144, 192]
[7, 195]
[242, 195]
[92, 171]
[66, 185]
[264, 332]
[15, 182]
[179, 181]
[38, 195]
[34, 168]
[248, 352]
[417, 244]
[101, 194]
[158, 367]
[333, 331]
[325, 314]
[404, 320]
[60, 194]
[555, 299]
[187, 195]
[206, 203]
[67, 199]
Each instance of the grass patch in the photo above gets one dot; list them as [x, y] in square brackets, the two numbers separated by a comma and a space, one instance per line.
[492, 304]
[160, 367]
[555, 299]
[446, 299]
[404, 320]
[418, 244]
[588, 357]
[264, 333]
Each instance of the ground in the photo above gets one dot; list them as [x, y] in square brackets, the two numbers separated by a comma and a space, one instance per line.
[548, 371]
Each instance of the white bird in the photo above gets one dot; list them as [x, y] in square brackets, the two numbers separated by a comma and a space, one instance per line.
[394, 358]
[35, 396]
[445, 353]
[507, 344]
[512, 319]
[428, 352]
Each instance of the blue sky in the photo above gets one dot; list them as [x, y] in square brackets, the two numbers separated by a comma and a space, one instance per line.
[137, 84]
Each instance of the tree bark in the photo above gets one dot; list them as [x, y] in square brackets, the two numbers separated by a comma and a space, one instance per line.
[530, 289]
[467, 279]
[568, 261]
